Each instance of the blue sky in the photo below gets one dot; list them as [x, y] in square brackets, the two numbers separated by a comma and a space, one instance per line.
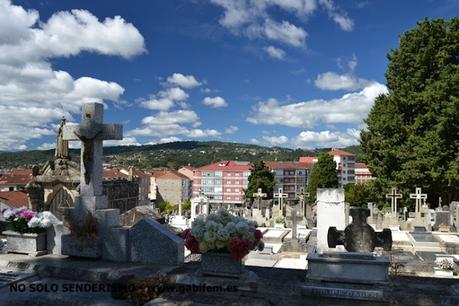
[293, 73]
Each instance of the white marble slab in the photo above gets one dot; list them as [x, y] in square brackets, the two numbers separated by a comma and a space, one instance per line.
[292, 263]
[399, 236]
[274, 233]
[448, 238]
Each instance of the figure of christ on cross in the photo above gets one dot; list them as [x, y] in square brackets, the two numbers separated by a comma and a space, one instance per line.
[302, 197]
[394, 196]
[259, 195]
[92, 132]
[280, 195]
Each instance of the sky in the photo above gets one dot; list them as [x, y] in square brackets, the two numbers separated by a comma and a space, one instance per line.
[290, 73]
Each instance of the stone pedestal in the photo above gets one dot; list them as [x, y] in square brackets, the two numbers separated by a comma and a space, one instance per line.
[221, 264]
[32, 244]
[348, 267]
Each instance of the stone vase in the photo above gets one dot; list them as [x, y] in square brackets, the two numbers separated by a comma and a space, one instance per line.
[33, 244]
[221, 264]
[279, 225]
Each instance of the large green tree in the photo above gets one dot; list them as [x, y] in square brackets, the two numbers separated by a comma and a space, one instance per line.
[412, 138]
[260, 177]
[323, 175]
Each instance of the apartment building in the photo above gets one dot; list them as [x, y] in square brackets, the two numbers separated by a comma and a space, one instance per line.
[171, 186]
[345, 165]
[362, 174]
[291, 177]
[223, 182]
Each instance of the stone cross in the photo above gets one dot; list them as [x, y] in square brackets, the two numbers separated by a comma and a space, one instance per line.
[419, 196]
[92, 132]
[280, 195]
[294, 222]
[301, 197]
[394, 196]
[259, 195]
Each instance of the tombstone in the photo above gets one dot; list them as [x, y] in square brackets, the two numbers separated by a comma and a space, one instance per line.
[443, 220]
[91, 203]
[359, 265]
[454, 209]
[359, 236]
[421, 217]
[152, 243]
[259, 195]
[302, 200]
[199, 206]
[331, 212]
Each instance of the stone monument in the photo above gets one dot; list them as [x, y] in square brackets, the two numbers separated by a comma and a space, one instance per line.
[358, 265]
[199, 206]
[331, 211]
[280, 196]
[421, 219]
[259, 195]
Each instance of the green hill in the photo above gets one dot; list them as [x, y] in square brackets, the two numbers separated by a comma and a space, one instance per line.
[172, 155]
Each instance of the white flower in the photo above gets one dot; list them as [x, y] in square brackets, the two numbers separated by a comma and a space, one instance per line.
[223, 234]
[230, 228]
[34, 222]
[242, 227]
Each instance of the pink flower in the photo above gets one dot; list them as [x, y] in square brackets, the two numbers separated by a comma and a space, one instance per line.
[239, 247]
[27, 214]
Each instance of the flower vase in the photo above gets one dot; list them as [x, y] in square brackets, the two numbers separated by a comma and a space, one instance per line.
[33, 244]
[221, 264]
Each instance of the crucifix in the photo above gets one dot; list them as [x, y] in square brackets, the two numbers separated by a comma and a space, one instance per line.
[259, 195]
[302, 197]
[419, 196]
[280, 195]
[394, 196]
[92, 132]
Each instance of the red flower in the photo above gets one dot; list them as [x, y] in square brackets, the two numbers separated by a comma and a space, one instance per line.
[190, 242]
[258, 235]
[239, 247]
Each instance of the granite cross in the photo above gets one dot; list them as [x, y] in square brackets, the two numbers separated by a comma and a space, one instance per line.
[259, 195]
[418, 196]
[394, 196]
[301, 197]
[280, 195]
[92, 132]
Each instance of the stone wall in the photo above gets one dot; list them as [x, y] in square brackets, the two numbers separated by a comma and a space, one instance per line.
[121, 194]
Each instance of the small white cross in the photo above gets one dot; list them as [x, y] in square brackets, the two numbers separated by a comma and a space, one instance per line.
[394, 196]
[419, 196]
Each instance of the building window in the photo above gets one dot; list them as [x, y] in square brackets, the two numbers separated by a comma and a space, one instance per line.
[228, 189]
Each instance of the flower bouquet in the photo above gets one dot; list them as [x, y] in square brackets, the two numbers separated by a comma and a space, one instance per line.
[24, 220]
[27, 230]
[223, 240]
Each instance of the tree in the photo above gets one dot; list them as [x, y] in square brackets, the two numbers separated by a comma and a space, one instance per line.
[260, 177]
[323, 175]
[412, 139]
[361, 194]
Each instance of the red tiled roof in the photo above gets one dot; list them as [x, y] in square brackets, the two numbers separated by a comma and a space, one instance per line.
[158, 173]
[14, 199]
[114, 173]
[172, 175]
[12, 179]
[338, 152]
[22, 171]
[288, 165]
[360, 166]
[189, 167]
[307, 159]
[227, 165]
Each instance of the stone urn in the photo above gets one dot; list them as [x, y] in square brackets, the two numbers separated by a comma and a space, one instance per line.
[359, 236]
[33, 244]
[221, 264]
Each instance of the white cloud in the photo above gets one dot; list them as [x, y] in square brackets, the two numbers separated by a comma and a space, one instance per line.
[47, 146]
[254, 19]
[180, 122]
[165, 99]
[276, 140]
[339, 16]
[231, 129]
[169, 139]
[126, 141]
[350, 108]
[275, 52]
[254, 141]
[323, 139]
[214, 102]
[185, 81]
[334, 81]
[33, 94]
